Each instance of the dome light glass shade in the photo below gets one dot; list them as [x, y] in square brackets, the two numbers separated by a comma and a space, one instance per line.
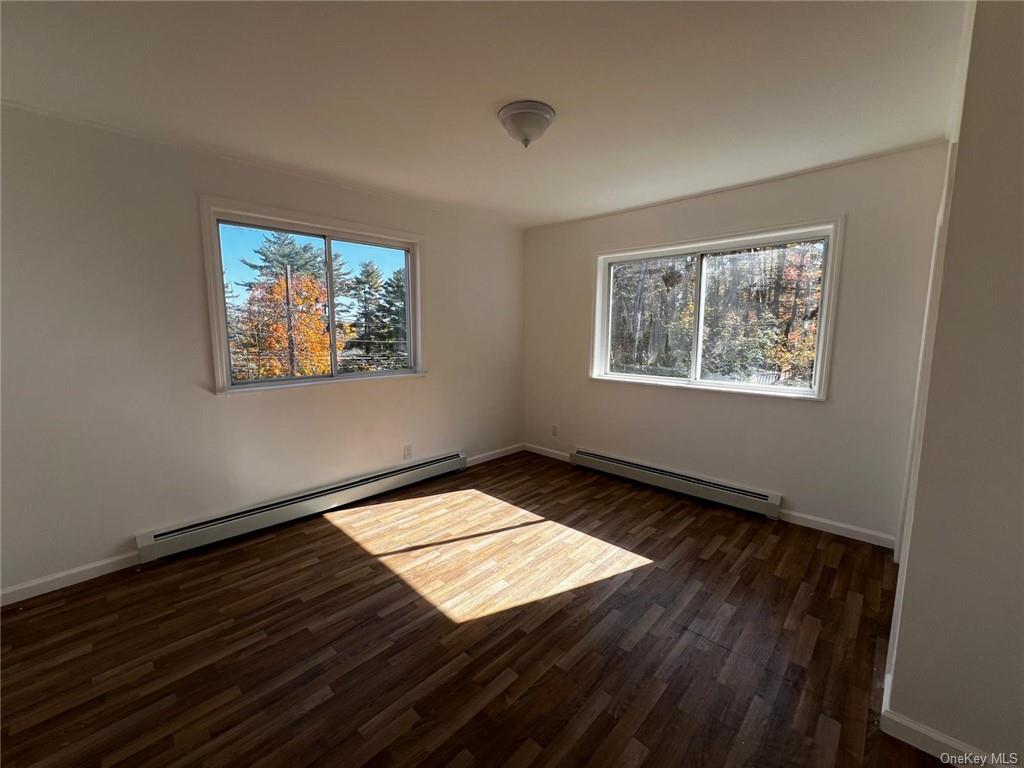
[526, 121]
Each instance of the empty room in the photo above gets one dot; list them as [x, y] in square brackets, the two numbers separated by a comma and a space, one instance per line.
[512, 384]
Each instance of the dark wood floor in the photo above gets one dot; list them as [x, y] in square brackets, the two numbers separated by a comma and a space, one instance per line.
[523, 612]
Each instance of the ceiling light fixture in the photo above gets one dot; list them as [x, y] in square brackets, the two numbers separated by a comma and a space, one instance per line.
[526, 121]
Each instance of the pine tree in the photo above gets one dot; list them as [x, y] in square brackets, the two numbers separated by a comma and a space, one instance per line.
[341, 276]
[394, 314]
[280, 249]
[367, 289]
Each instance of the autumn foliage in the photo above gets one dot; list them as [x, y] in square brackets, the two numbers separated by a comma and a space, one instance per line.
[280, 327]
[262, 348]
[758, 314]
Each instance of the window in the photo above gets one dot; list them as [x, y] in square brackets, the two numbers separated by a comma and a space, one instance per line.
[742, 315]
[300, 303]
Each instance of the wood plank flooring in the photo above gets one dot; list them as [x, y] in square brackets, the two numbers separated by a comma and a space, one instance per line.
[521, 613]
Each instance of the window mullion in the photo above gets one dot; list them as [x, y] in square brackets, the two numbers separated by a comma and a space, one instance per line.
[609, 292]
[698, 319]
[411, 330]
[330, 305]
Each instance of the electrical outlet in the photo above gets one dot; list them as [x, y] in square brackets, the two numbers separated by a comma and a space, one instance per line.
[407, 452]
[554, 430]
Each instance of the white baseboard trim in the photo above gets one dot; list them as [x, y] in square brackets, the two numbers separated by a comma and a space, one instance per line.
[551, 454]
[841, 529]
[88, 571]
[44, 584]
[790, 516]
[54, 581]
[926, 739]
[480, 458]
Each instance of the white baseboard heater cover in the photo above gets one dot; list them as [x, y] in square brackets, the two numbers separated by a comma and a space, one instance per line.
[166, 541]
[706, 488]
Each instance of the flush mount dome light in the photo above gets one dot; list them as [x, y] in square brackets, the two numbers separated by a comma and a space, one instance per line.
[526, 121]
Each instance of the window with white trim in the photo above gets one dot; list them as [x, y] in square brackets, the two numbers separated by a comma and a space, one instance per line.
[745, 314]
[300, 303]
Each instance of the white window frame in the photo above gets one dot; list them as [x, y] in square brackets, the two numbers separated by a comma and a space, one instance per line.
[214, 210]
[832, 230]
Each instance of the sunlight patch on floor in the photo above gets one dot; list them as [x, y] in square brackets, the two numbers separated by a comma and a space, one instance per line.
[472, 555]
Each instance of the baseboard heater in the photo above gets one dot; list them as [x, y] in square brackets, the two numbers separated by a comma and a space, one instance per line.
[166, 541]
[692, 485]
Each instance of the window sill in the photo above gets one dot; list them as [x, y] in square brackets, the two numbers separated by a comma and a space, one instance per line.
[262, 386]
[727, 387]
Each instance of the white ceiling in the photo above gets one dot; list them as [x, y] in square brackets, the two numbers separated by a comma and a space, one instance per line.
[654, 101]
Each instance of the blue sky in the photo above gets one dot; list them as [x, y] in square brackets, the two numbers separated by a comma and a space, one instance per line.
[239, 242]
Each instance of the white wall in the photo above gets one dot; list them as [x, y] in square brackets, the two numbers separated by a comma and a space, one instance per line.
[842, 460]
[110, 424]
[956, 677]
